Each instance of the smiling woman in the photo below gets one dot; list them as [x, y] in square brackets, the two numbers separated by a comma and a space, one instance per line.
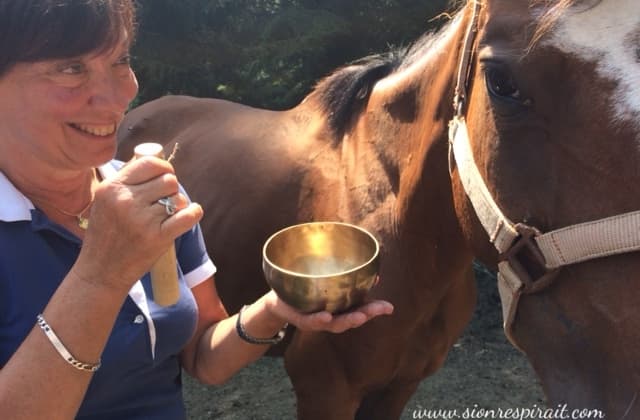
[65, 83]
[79, 233]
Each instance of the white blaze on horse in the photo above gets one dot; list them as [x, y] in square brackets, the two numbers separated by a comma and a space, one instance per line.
[608, 36]
[545, 132]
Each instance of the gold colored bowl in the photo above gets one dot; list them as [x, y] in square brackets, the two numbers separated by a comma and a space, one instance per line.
[321, 265]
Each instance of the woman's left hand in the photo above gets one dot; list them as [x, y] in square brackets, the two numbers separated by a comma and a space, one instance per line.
[325, 321]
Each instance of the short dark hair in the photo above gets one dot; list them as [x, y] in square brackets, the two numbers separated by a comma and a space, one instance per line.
[34, 30]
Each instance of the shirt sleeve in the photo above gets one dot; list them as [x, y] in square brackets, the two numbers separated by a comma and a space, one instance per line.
[191, 252]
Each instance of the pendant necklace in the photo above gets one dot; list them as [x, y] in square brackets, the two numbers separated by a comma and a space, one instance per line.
[83, 222]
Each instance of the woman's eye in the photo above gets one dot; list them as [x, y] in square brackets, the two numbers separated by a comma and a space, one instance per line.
[500, 84]
[124, 60]
[71, 68]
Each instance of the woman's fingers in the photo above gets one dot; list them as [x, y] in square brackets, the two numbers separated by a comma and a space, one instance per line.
[183, 220]
[142, 170]
[136, 216]
[352, 319]
[325, 321]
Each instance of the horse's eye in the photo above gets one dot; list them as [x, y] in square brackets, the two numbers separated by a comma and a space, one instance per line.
[500, 84]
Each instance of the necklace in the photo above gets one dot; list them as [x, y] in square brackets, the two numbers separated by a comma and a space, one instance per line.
[83, 222]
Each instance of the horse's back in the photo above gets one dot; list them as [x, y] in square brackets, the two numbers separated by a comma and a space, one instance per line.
[171, 117]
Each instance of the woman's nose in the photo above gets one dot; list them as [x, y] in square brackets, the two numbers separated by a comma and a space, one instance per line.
[114, 90]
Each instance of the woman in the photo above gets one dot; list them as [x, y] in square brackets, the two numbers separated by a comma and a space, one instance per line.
[80, 335]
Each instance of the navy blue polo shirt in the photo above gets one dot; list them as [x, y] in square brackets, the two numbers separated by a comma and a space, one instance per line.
[140, 377]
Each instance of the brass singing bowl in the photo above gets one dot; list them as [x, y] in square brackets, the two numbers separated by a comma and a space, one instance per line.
[321, 265]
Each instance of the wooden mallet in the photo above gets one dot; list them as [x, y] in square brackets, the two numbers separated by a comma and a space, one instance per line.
[164, 273]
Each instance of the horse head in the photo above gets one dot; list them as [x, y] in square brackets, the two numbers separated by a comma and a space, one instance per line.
[544, 148]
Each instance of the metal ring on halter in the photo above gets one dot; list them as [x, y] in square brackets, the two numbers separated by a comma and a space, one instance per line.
[169, 205]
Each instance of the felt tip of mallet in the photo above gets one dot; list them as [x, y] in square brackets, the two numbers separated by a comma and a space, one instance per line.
[149, 149]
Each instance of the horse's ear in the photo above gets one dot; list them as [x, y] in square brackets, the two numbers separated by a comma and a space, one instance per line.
[342, 94]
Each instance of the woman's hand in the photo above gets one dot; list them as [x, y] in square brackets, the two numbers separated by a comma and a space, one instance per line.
[325, 321]
[128, 230]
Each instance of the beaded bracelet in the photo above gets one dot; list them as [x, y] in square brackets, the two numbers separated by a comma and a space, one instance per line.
[57, 344]
[242, 333]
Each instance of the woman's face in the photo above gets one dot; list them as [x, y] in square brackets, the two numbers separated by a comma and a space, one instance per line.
[65, 112]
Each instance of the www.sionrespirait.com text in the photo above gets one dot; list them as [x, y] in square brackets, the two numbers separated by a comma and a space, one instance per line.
[561, 412]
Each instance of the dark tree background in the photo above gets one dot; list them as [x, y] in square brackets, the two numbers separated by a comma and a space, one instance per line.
[266, 53]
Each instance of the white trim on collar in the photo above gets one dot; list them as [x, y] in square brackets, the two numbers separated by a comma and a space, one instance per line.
[109, 169]
[14, 206]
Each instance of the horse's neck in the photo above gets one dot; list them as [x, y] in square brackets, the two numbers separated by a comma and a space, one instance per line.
[406, 121]
[389, 171]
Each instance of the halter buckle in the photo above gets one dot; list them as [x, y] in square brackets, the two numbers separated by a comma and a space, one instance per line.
[527, 261]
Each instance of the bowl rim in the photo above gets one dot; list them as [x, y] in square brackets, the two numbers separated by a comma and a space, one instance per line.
[322, 276]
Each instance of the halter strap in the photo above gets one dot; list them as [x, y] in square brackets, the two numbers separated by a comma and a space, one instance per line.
[464, 69]
[552, 250]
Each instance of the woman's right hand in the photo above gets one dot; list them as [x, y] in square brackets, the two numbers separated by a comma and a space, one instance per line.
[128, 230]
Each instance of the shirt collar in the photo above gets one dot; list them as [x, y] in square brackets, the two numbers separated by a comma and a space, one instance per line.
[15, 206]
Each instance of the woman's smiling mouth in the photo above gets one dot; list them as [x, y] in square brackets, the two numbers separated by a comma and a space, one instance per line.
[96, 130]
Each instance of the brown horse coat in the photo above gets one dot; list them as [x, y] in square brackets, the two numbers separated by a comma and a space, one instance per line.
[256, 171]
[554, 132]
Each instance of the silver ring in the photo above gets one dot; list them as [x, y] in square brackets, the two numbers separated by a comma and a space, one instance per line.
[169, 205]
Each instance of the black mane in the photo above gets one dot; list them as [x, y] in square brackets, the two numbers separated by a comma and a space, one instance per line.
[342, 93]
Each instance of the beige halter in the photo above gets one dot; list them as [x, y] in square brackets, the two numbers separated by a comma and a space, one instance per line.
[517, 242]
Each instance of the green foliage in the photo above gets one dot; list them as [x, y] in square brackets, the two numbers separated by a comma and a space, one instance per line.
[266, 53]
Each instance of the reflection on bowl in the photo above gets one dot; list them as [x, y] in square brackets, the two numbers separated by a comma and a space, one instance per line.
[321, 265]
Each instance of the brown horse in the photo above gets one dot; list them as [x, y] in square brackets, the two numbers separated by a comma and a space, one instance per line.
[545, 131]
